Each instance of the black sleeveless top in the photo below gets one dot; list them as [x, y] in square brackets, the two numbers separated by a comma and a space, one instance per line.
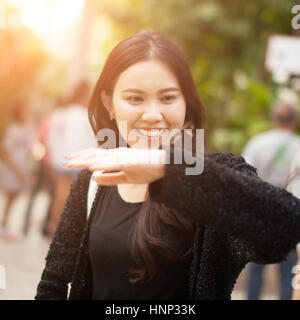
[110, 256]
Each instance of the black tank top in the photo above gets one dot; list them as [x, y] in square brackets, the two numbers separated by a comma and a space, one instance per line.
[110, 256]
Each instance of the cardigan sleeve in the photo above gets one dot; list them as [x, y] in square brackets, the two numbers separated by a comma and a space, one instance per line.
[61, 256]
[262, 221]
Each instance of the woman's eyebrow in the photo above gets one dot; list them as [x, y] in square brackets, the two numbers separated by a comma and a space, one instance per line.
[169, 89]
[160, 91]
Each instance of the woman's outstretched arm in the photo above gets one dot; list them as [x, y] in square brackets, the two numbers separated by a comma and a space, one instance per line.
[60, 260]
[263, 220]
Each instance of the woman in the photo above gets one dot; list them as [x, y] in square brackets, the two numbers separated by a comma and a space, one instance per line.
[153, 231]
[16, 173]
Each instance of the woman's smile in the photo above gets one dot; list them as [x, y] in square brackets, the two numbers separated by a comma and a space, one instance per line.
[151, 134]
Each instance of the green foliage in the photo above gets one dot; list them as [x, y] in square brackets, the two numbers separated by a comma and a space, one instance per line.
[225, 43]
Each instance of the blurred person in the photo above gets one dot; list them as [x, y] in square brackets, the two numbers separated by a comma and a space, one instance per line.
[293, 186]
[16, 173]
[45, 174]
[46, 177]
[271, 153]
[69, 131]
[152, 230]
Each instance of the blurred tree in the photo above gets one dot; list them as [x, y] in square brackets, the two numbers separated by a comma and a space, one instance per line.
[225, 43]
[20, 60]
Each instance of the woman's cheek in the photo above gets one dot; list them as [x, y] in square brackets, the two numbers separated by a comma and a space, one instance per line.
[126, 111]
[126, 116]
[176, 114]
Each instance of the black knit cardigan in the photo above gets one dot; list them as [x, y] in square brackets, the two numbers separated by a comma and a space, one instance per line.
[239, 218]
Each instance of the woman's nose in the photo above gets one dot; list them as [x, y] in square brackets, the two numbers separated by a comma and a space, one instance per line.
[152, 113]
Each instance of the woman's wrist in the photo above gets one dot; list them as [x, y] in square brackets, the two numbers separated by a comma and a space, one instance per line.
[152, 156]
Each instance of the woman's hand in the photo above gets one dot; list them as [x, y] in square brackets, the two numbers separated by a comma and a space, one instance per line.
[132, 166]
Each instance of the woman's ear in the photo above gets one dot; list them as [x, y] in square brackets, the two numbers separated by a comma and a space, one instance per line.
[106, 100]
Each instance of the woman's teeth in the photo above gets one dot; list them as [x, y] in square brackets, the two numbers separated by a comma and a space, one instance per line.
[152, 132]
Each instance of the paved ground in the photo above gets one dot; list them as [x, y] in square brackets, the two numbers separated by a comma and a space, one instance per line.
[24, 261]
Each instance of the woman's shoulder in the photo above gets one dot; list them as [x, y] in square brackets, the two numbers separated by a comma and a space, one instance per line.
[224, 157]
[232, 161]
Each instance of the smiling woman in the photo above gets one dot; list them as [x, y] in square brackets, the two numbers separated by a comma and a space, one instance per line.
[150, 88]
[154, 231]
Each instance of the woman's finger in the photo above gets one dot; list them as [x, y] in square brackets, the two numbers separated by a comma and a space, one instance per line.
[85, 158]
[114, 162]
[79, 153]
[109, 179]
[106, 166]
[97, 161]
[87, 153]
[79, 163]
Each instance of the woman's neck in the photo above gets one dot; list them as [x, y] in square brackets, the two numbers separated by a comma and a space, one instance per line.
[133, 192]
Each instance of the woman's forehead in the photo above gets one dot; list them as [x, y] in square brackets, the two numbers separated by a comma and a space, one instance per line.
[147, 74]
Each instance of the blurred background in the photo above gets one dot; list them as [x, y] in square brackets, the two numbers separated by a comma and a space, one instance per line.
[47, 47]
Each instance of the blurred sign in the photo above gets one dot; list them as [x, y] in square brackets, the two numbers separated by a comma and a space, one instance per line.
[283, 57]
[287, 95]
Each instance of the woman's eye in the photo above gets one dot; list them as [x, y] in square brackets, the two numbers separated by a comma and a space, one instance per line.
[134, 99]
[168, 98]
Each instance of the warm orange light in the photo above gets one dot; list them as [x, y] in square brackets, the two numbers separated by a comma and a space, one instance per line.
[50, 19]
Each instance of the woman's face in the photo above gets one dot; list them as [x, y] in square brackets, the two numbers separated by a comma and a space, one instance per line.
[147, 96]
